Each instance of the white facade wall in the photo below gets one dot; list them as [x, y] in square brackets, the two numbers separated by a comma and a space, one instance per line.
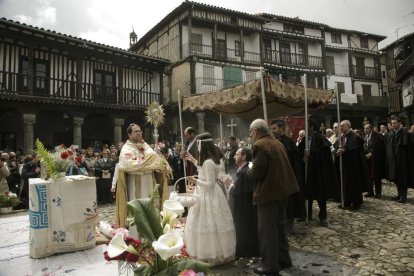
[315, 50]
[274, 26]
[313, 32]
[341, 63]
[374, 87]
[252, 43]
[346, 80]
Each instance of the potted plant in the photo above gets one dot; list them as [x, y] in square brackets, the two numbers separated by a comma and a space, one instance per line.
[8, 200]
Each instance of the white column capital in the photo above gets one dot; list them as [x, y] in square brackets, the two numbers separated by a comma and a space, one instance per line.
[78, 121]
[119, 122]
[29, 119]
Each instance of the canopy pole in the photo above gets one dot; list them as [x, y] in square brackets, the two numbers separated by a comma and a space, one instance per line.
[305, 86]
[221, 132]
[263, 94]
[341, 176]
[181, 130]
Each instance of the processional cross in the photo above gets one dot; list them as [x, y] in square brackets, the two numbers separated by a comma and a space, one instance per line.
[231, 125]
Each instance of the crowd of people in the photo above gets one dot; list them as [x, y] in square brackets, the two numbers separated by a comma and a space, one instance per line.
[250, 193]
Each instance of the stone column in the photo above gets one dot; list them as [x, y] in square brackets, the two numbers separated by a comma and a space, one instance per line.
[77, 131]
[118, 124]
[28, 121]
[200, 121]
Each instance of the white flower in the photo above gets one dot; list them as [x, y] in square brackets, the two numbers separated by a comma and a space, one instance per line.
[168, 245]
[117, 246]
[173, 206]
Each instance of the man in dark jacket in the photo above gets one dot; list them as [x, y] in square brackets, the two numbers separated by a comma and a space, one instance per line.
[355, 173]
[274, 183]
[400, 155]
[375, 156]
[244, 212]
[321, 179]
[296, 203]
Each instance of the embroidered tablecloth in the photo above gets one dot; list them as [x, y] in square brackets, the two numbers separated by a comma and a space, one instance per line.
[63, 215]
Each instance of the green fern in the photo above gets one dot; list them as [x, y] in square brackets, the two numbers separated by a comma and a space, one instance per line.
[46, 158]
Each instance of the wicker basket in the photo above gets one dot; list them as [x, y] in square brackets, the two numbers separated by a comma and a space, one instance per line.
[187, 199]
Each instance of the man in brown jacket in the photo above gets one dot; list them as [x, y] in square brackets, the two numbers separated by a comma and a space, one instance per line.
[275, 181]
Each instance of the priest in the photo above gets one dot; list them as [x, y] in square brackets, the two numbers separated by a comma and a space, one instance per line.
[138, 165]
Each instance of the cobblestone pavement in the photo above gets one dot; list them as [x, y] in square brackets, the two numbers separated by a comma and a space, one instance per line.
[376, 240]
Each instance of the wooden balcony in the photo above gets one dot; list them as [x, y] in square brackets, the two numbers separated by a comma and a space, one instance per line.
[220, 53]
[366, 72]
[290, 59]
[15, 86]
[406, 67]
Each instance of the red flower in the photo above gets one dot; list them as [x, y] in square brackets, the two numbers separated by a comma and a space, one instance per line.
[132, 258]
[78, 159]
[62, 145]
[70, 152]
[64, 155]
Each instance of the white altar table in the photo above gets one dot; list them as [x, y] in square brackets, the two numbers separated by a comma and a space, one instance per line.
[63, 215]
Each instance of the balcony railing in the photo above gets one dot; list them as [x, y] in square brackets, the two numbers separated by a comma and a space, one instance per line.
[16, 85]
[373, 101]
[278, 57]
[220, 53]
[366, 72]
[405, 67]
[205, 85]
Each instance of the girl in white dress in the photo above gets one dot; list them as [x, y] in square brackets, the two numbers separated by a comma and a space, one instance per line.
[209, 232]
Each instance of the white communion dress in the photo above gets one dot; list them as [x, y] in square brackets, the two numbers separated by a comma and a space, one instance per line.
[209, 232]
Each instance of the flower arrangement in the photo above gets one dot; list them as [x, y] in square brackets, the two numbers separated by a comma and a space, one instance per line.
[9, 199]
[161, 250]
[55, 162]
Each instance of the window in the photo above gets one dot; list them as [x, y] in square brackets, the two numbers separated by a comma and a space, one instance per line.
[341, 87]
[232, 76]
[336, 38]
[301, 54]
[104, 87]
[208, 75]
[285, 53]
[267, 49]
[383, 74]
[237, 48]
[40, 76]
[221, 49]
[364, 42]
[250, 76]
[196, 43]
[330, 65]
[366, 89]
[293, 29]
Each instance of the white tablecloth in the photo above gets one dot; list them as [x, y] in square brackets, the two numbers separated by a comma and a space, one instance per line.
[63, 215]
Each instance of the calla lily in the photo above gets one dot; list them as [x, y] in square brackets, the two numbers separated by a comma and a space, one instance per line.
[168, 245]
[168, 217]
[117, 246]
[173, 206]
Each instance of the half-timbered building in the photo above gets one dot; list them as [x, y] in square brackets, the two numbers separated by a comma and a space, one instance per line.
[398, 63]
[63, 89]
[211, 48]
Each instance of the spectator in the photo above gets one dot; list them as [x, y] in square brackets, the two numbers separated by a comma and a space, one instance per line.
[4, 173]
